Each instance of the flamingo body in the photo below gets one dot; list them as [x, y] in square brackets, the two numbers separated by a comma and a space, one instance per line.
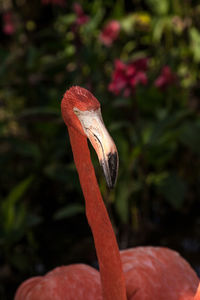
[71, 282]
[157, 273]
[151, 273]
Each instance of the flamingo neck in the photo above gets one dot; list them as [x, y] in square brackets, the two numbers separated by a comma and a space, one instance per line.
[112, 277]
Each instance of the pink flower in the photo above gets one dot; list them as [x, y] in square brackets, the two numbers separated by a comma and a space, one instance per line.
[54, 2]
[8, 23]
[166, 78]
[127, 76]
[82, 18]
[110, 33]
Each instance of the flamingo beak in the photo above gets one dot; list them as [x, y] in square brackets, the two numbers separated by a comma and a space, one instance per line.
[93, 126]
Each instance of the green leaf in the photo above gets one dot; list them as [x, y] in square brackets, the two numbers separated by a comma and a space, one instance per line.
[195, 43]
[33, 220]
[167, 124]
[189, 136]
[118, 9]
[62, 173]
[156, 178]
[160, 7]
[38, 113]
[26, 149]
[158, 30]
[18, 191]
[69, 211]
[173, 188]
[89, 28]
[160, 25]
[127, 23]
[7, 208]
[122, 197]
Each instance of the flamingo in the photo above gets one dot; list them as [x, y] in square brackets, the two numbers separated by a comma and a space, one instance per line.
[142, 273]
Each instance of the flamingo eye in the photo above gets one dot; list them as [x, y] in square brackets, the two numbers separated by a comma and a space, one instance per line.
[76, 111]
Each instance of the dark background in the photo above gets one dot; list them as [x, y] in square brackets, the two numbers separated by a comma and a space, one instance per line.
[46, 48]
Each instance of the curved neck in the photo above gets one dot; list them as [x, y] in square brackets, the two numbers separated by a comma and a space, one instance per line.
[112, 277]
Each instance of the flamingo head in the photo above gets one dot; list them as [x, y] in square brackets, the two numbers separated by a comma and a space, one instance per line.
[81, 110]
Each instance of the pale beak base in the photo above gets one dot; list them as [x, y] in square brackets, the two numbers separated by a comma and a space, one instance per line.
[93, 126]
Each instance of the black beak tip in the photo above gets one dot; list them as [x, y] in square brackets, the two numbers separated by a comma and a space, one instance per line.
[110, 169]
[113, 168]
[110, 186]
[111, 178]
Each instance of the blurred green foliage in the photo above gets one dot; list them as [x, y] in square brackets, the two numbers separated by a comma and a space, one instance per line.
[156, 200]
